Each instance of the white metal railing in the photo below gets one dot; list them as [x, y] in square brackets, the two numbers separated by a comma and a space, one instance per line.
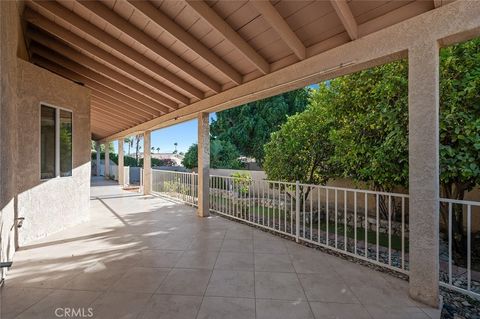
[179, 185]
[459, 258]
[369, 225]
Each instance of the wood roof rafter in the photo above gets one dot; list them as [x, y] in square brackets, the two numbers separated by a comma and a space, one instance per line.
[112, 18]
[99, 68]
[78, 22]
[74, 40]
[164, 22]
[94, 76]
[56, 68]
[276, 21]
[216, 22]
[345, 15]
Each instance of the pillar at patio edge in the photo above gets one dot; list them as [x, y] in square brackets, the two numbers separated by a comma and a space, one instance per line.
[423, 111]
[203, 164]
[147, 163]
[121, 175]
[97, 148]
[107, 160]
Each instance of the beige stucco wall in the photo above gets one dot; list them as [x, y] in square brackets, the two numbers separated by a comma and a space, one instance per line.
[50, 205]
[47, 206]
[9, 25]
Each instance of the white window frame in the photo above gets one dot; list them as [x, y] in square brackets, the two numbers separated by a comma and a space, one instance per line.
[57, 140]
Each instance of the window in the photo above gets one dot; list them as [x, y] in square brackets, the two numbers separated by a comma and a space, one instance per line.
[65, 143]
[55, 142]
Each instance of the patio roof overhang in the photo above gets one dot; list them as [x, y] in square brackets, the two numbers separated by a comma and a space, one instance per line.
[153, 64]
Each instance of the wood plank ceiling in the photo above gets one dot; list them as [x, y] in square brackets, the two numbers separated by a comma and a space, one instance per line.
[143, 59]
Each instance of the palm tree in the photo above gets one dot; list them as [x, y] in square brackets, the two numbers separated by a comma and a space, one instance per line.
[129, 142]
[158, 149]
[175, 144]
[153, 149]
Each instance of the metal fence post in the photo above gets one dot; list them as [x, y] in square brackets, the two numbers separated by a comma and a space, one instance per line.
[297, 210]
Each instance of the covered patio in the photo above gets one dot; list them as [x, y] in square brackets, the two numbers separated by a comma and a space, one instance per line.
[74, 72]
[148, 257]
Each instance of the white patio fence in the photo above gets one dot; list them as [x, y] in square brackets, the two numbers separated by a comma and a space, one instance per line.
[367, 225]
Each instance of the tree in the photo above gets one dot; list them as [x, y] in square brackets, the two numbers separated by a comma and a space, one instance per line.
[153, 149]
[158, 149]
[459, 130]
[371, 140]
[137, 146]
[370, 135]
[301, 149]
[129, 142]
[222, 155]
[175, 144]
[249, 126]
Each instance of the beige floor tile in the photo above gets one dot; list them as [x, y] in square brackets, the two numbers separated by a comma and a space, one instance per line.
[278, 309]
[235, 261]
[15, 300]
[231, 283]
[198, 259]
[227, 308]
[273, 262]
[159, 258]
[269, 246]
[208, 244]
[383, 312]
[387, 296]
[120, 305]
[238, 245]
[139, 279]
[339, 311]
[172, 307]
[98, 277]
[282, 286]
[326, 288]
[191, 282]
[58, 302]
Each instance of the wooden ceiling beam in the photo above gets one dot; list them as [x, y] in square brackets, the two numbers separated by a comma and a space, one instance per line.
[114, 112]
[117, 102]
[217, 22]
[99, 131]
[276, 21]
[98, 67]
[110, 123]
[112, 18]
[107, 115]
[95, 113]
[54, 67]
[176, 31]
[71, 38]
[87, 73]
[76, 21]
[345, 14]
[115, 108]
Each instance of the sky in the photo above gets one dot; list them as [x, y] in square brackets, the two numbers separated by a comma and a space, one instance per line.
[185, 134]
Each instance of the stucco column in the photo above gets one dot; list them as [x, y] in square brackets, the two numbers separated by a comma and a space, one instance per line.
[147, 163]
[97, 148]
[203, 165]
[121, 177]
[423, 112]
[107, 160]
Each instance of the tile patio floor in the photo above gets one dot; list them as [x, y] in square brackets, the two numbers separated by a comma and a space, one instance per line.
[146, 257]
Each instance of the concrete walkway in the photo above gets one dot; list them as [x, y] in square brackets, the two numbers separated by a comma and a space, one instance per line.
[146, 257]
